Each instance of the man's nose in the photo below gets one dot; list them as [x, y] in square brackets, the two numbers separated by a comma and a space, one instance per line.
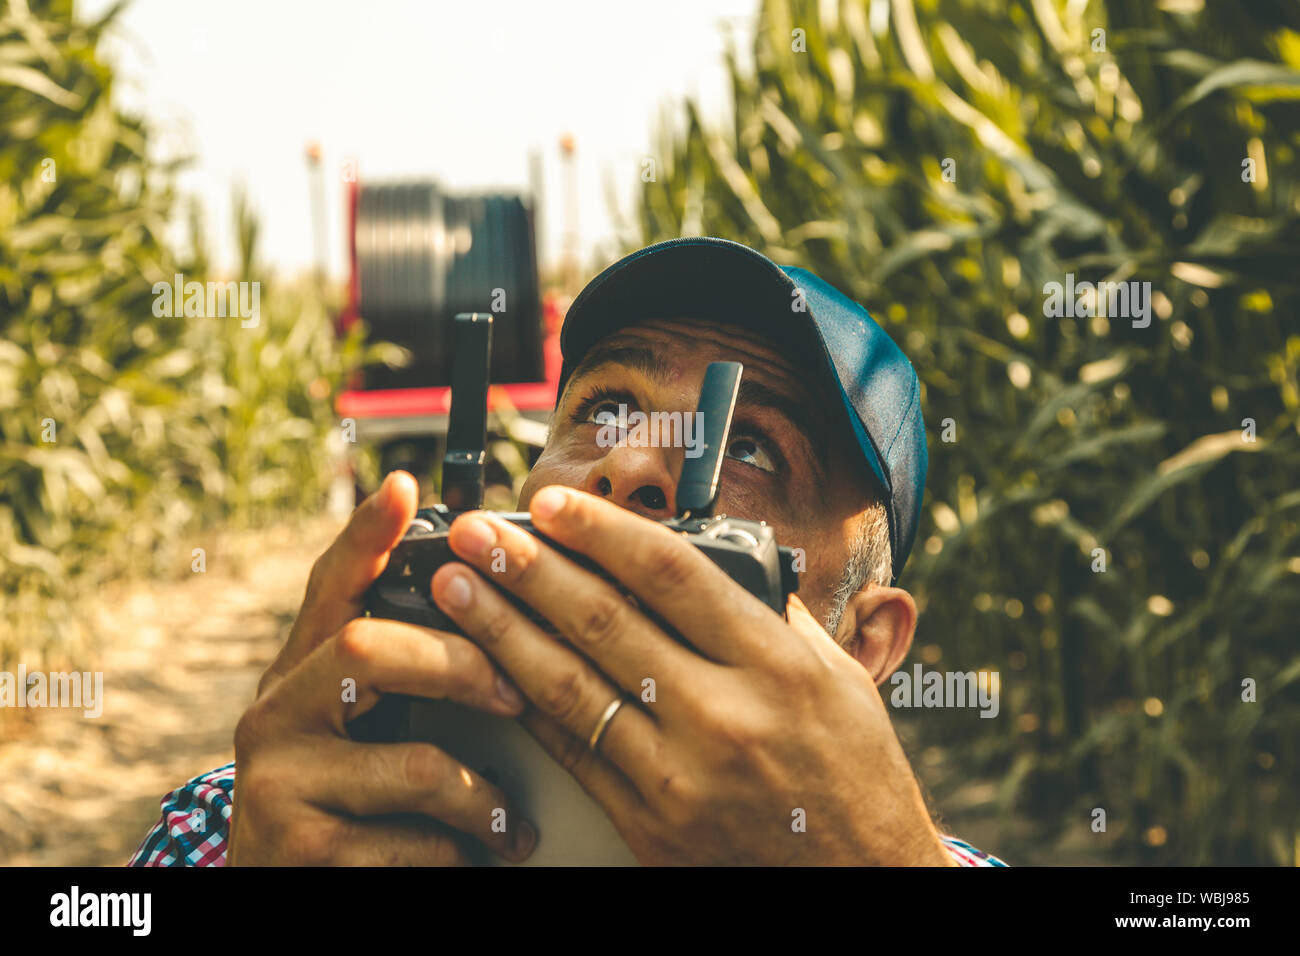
[639, 479]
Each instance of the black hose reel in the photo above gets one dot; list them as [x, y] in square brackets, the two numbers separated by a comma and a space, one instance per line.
[423, 255]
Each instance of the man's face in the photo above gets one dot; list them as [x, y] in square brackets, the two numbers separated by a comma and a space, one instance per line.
[786, 461]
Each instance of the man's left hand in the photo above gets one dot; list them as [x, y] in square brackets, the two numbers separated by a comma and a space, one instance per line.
[760, 743]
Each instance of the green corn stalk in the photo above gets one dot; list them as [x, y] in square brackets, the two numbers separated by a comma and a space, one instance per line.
[942, 168]
[125, 433]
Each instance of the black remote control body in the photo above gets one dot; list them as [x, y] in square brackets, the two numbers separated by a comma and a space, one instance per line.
[746, 550]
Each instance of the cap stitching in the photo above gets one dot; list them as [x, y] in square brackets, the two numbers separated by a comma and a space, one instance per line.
[916, 388]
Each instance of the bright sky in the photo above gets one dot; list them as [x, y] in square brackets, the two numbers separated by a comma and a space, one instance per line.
[456, 91]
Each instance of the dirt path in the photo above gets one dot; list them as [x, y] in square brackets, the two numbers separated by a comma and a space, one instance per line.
[181, 660]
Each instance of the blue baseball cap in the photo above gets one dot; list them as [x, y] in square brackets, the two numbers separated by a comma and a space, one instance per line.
[702, 277]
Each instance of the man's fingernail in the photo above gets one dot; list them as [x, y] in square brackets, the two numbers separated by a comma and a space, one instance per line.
[525, 837]
[476, 536]
[547, 502]
[508, 692]
[456, 593]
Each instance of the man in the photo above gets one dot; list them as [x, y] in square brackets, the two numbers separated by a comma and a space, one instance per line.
[760, 722]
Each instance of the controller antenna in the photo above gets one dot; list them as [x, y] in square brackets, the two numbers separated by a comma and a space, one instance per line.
[462, 466]
[697, 490]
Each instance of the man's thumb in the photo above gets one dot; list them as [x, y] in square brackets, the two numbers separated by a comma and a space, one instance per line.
[341, 575]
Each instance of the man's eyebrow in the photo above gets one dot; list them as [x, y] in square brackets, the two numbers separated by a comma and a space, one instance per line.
[636, 357]
[796, 412]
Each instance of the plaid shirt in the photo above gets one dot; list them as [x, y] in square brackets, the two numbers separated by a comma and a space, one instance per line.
[195, 825]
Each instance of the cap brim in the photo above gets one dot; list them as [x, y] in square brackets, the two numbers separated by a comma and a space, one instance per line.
[696, 278]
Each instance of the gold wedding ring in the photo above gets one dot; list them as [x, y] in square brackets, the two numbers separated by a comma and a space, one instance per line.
[601, 724]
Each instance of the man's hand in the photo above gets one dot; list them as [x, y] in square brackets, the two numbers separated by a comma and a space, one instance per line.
[305, 792]
[764, 743]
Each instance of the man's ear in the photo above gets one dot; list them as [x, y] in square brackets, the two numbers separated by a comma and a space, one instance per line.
[877, 628]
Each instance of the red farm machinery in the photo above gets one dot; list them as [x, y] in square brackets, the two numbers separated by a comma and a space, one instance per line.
[419, 255]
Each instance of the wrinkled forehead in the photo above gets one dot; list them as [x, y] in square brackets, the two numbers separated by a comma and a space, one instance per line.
[671, 349]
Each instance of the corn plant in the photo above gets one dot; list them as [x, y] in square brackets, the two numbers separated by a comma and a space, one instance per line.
[124, 426]
[1112, 520]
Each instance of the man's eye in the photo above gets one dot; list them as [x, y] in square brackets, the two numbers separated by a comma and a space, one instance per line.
[603, 413]
[751, 453]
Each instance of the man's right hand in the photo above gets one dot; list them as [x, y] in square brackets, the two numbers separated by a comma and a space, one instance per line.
[305, 793]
